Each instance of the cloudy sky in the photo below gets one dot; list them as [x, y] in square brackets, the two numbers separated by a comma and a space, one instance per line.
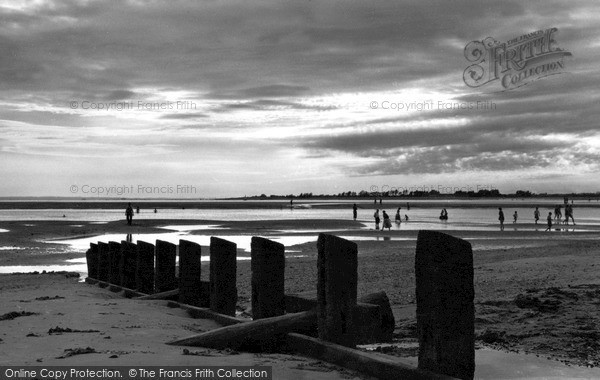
[236, 98]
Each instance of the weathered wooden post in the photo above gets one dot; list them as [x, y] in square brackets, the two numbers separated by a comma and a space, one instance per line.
[336, 289]
[92, 261]
[190, 286]
[144, 274]
[223, 268]
[129, 260]
[103, 261]
[445, 310]
[268, 276]
[166, 253]
[114, 254]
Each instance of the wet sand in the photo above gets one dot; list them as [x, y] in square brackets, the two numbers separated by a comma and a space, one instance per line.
[535, 292]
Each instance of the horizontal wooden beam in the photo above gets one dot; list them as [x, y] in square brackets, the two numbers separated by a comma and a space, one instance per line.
[260, 335]
[206, 313]
[379, 366]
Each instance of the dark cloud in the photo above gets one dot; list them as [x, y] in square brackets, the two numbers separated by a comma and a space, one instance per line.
[270, 91]
[461, 159]
[183, 116]
[273, 105]
[121, 95]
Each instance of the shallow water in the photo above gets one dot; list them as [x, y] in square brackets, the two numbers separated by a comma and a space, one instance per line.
[460, 219]
[79, 265]
[467, 218]
[192, 227]
[242, 241]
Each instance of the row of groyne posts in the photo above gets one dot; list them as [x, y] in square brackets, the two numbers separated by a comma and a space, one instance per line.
[326, 325]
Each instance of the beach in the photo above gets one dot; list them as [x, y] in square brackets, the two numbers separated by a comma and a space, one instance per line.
[536, 293]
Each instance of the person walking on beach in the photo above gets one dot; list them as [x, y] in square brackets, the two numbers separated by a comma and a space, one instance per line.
[549, 222]
[387, 223]
[557, 214]
[536, 215]
[515, 217]
[398, 217]
[569, 213]
[129, 214]
[377, 220]
[355, 211]
[501, 218]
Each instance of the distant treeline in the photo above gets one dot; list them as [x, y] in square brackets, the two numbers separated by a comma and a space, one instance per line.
[483, 193]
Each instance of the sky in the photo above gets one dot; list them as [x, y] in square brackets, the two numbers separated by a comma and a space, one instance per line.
[198, 99]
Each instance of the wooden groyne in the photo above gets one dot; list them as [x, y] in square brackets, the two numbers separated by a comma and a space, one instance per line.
[326, 323]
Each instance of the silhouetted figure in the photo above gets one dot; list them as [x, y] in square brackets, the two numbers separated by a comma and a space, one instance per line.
[129, 238]
[377, 220]
[129, 214]
[501, 218]
[387, 223]
[569, 213]
[405, 218]
[291, 203]
[515, 217]
[408, 206]
[444, 214]
[155, 211]
[398, 217]
[355, 211]
[536, 215]
[549, 221]
[137, 210]
[380, 201]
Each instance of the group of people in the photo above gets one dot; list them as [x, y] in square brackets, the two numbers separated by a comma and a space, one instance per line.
[444, 216]
[568, 213]
[536, 216]
[387, 223]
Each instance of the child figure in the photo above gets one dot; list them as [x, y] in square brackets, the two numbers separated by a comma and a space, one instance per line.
[549, 222]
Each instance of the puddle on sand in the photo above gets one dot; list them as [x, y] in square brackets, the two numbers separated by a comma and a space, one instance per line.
[242, 241]
[193, 227]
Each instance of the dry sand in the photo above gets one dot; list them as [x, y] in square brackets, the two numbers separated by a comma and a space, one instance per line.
[536, 293]
[107, 329]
